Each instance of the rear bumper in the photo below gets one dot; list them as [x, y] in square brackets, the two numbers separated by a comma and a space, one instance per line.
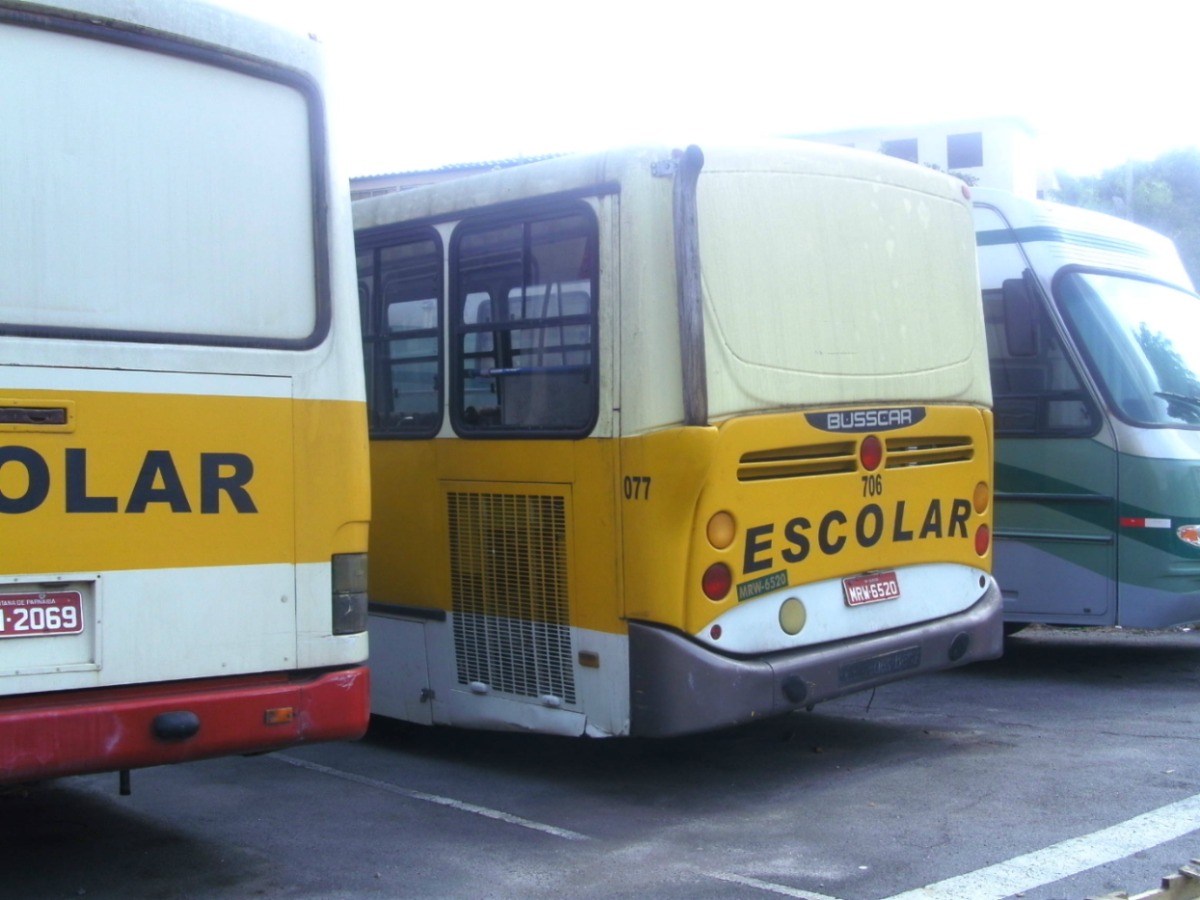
[678, 686]
[107, 729]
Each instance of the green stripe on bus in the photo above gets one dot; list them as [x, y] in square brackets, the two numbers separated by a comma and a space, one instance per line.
[1050, 233]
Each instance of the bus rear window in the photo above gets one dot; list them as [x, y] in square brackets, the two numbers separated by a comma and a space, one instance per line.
[160, 197]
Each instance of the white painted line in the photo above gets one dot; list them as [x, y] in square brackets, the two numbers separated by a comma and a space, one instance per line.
[768, 886]
[434, 798]
[1062, 860]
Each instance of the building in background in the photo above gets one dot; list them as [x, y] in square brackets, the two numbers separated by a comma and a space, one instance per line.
[994, 152]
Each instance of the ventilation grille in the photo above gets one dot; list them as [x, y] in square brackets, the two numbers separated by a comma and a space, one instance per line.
[795, 462]
[508, 578]
[928, 451]
[842, 456]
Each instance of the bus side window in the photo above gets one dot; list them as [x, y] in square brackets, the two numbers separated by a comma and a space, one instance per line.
[366, 289]
[402, 337]
[525, 347]
[1036, 390]
[481, 405]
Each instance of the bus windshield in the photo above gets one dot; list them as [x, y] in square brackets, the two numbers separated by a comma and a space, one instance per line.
[1142, 342]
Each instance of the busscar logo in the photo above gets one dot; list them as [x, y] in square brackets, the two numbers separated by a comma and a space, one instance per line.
[858, 420]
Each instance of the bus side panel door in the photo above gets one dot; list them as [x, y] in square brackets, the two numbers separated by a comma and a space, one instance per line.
[1056, 473]
[400, 684]
[1055, 551]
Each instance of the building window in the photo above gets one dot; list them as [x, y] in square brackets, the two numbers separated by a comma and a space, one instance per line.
[905, 148]
[964, 151]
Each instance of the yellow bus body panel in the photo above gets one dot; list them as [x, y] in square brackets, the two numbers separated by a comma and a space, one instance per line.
[143, 452]
[781, 516]
[410, 538]
[649, 519]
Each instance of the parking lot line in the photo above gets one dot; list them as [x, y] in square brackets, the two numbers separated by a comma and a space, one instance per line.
[460, 805]
[769, 887]
[1067, 858]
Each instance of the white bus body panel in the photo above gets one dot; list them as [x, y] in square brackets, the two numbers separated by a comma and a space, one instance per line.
[413, 678]
[159, 154]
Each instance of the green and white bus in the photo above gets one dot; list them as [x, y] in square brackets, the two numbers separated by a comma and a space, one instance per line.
[1094, 336]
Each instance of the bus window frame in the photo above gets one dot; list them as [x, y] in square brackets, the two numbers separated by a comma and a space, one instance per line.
[124, 36]
[1082, 349]
[1045, 326]
[523, 215]
[377, 357]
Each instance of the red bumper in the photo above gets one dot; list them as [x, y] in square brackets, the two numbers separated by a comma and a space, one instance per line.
[103, 730]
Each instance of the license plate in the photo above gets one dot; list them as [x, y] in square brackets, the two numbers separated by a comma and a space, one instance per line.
[872, 588]
[41, 614]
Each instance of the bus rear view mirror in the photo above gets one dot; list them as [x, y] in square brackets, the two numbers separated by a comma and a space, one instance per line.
[1018, 318]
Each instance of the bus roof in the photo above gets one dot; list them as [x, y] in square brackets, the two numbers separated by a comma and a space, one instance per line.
[1070, 234]
[614, 169]
[197, 21]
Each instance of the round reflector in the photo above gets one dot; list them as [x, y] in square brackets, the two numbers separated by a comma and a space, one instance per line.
[792, 615]
[870, 453]
[717, 581]
[982, 497]
[721, 530]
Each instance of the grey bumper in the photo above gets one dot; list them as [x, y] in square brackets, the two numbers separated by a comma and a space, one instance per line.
[678, 686]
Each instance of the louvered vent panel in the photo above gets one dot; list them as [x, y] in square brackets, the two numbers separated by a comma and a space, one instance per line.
[508, 572]
[928, 451]
[795, 462]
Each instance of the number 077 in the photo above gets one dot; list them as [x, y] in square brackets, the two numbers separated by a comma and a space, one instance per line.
[637, 487]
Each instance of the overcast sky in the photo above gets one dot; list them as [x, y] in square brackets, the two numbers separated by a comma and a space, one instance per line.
[422, 83]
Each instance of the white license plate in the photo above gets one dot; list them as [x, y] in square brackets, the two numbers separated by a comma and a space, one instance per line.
[862, 589]
[41, 614]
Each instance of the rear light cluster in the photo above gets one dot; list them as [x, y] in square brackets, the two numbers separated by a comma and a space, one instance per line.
[349, 593]
[981, 500]
[717, 581]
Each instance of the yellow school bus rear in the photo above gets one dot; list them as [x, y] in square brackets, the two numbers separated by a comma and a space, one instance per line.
[814, 563]
[831, 514]
[680, 440]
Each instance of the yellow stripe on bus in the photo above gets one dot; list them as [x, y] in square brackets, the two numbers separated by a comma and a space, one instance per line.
[156, 481]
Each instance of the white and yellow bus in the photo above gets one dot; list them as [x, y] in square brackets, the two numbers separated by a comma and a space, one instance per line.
[183, 443]
[669, 441]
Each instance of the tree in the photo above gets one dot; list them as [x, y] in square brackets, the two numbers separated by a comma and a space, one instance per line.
[966, 177]
[1163, 194]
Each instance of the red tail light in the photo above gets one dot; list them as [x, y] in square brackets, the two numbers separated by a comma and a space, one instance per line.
[870, 453]
[717, 581]
[983, 540]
